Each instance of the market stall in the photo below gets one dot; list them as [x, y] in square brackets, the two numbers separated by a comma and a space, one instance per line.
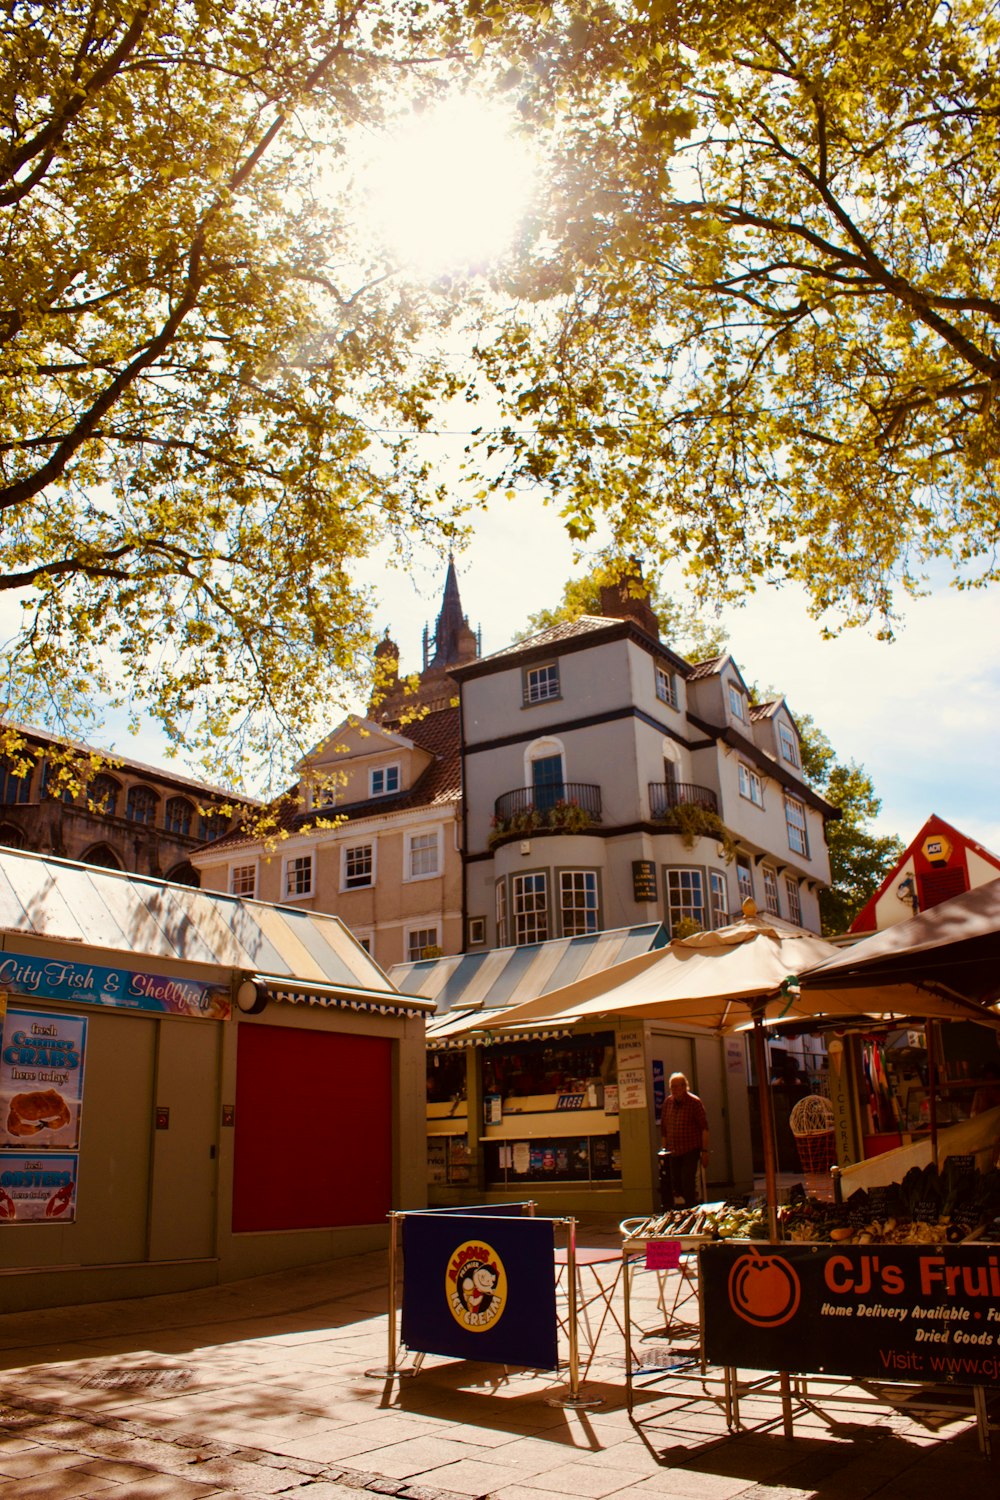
[898, 1281]
[193, 1087]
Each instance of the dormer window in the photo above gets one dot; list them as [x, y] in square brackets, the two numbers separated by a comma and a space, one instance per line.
[737, 703]
[786, 744]
[383, 781]
[541, 683]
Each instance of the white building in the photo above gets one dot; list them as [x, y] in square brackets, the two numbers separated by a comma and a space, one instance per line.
[608, 782]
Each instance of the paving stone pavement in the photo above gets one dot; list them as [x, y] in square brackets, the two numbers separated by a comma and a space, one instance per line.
[260, 1389]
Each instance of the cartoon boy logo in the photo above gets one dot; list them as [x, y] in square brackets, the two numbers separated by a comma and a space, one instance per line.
[476, 1286]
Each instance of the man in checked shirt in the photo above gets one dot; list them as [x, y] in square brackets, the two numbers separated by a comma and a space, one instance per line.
[684, 1129]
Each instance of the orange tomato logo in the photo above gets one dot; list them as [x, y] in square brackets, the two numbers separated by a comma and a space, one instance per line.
[764, 1290]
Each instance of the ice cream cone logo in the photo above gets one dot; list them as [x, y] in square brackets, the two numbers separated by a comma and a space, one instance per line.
[476, 1286]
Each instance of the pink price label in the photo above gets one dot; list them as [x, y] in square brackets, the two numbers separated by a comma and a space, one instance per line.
[663, 1255]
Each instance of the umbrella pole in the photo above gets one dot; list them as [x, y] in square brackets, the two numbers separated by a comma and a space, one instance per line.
[766, 1124]
[931, 1031]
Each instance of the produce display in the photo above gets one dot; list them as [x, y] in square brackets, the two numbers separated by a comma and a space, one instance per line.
[931, 1206]
[713, 1221]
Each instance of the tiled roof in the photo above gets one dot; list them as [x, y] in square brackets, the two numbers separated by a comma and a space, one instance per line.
[440, 783]
[764, 710]
[708, 668]
[566, 630]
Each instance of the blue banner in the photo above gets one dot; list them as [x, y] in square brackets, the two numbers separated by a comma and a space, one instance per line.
[480, 1287]
[130, 989]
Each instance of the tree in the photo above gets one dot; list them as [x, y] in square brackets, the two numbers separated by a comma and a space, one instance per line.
[765, 332]
[859, 858]
[684, 628]
[198, 364]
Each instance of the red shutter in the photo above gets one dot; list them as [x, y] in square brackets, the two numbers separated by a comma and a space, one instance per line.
[313, 1144]
[940, 885]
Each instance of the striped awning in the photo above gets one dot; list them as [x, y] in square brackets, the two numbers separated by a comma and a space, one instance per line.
[374, 1002]
[503, 977]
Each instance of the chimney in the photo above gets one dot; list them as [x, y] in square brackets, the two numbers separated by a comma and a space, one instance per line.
[628, 599]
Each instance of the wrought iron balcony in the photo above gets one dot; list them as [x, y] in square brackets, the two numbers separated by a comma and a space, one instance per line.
[565, 807]
[664, 796]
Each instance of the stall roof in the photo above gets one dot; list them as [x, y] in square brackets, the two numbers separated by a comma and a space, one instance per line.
[953, 947]
[301, 955]
[501, 977]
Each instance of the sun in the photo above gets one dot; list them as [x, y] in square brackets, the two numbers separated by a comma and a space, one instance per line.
[447, 189]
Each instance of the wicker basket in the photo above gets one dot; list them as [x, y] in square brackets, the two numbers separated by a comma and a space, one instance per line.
[816, 1151]
[811, 1121]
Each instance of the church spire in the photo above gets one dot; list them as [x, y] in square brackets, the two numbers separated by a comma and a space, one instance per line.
[454, 641]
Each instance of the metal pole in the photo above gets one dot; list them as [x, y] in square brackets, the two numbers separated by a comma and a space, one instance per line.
[574, 1399]
[627, 1277]
[766, 1125]
[574, 1342]
[931, 1036]
[390, 1365]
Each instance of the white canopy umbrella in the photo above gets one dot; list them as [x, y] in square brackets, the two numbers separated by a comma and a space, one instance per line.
[720, 981]
[713, 980]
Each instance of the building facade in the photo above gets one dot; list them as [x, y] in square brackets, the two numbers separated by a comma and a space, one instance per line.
[370, 831]
[585, 779]
[74, 802]
[609, 782]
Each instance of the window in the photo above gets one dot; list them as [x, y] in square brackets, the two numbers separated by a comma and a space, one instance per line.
[718, 888]
[737, 703]
[365, 941]
[13, 788]
[744, 879]
[795, 819]
[751, 786]
[140, 805]
[383, 781]
[666, 685]
[771, 902]
[422, 858]
[359, 867]
[477, 931]
[419, 940]
[298, 876]
[242, 880]
[501, 914]
[102, 794]
[177, 816]
[685, 897]
[530, 902]
[52, 785]
[786, 743]
[541, 683]
[578, 902]
[211, 824]
[792, 897]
